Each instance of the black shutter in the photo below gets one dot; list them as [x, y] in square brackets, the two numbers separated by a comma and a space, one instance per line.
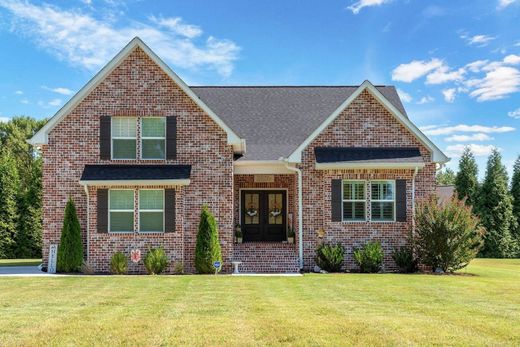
[171, 138]
[400, 200]
[104, 138]
[336, 200]
[102, 210]
[169, 210]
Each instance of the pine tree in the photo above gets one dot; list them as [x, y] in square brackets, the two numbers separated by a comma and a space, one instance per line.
[466, 181]
[207, 249]
[496, 210]
[446, 177]
[9, 184]
[515, 194]
[70, 250]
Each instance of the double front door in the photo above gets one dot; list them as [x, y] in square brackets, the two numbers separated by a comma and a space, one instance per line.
[263, 215]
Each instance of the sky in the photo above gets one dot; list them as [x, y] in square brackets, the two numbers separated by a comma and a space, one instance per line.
[456, 64]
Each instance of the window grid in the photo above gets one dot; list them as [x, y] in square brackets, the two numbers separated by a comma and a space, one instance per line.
[111, 210]
[150, 210]
[122, 129]
[382, 199]
[354, 199]
[160, 138]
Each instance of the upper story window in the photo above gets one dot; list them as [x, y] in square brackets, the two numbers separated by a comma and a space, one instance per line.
[124, 137]
[153, 138]
[151, 210]
[354, 201]
[121, 210]
[382, 201]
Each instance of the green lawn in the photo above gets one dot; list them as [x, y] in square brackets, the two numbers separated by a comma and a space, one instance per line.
[20, 262]
[347, 309]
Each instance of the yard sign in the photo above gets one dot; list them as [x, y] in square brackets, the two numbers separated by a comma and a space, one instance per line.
[53, 255]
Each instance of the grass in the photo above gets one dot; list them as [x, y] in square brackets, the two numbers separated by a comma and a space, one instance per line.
[346, 309]
[20, 262]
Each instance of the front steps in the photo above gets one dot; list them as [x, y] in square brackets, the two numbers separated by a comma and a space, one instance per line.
[266, 257]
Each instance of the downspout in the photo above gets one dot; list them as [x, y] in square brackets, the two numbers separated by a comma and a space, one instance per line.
[300, 212]
[413, 199]
[88, 222]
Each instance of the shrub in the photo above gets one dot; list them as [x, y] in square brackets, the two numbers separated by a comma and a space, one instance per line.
[207, 249]
[156, 261]
[405, 259]
[178, 268]
[447, 237]
[87, 269]
[330, 257]
[70, 250]
[119, 264]
[369, 257]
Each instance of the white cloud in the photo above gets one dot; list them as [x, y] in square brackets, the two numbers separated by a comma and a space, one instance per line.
[504, 3]
[404, 95]
[415, 69]
[24, 101]
[469, 138]
[512, 59]
[443, 75]
[55, 102]
[477, 65]
[497, 84]
[464, 128]
[59, 90]
[514, 114]
[449, 94]
[18, 92]
[426, 100]
[4, 119]
[82, 40]
[358, 5]
[478, 150]
[478, 40]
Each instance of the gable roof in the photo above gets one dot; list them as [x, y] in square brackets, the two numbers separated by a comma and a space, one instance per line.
[41, 137]
[436, 154]
[275, 120]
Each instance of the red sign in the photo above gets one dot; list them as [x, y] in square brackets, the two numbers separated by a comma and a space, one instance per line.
[135, 255]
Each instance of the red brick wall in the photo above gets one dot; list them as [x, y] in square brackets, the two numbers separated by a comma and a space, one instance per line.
[365, 123]
[139, 88]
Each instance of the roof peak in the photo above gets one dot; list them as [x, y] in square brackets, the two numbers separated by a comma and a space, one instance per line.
[289, 86]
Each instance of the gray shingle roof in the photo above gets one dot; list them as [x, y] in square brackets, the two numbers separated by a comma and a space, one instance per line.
[276, 120]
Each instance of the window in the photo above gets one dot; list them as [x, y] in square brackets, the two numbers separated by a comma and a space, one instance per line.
[121, 210]
[354, 201]
[153, 138]
[151, 210]
[124, 138]
[383, 200]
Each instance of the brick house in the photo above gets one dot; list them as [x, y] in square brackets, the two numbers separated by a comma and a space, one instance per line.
[140, 152]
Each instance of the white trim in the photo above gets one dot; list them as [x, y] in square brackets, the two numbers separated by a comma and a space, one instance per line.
[251, 167]
[300, 212]
[393, 200]
[125, 211]
[139, 212]
[343, 200]
[142, 137]
[437, 155]
[41, 137]
[169, 182]
[364, 165]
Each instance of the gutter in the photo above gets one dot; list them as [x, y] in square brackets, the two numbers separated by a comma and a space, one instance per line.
[300, 213]
[88, 222]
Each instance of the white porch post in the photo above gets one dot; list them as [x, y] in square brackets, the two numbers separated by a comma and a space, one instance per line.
[300, 213]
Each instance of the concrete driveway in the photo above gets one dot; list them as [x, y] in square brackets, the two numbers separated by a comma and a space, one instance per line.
[22, 271]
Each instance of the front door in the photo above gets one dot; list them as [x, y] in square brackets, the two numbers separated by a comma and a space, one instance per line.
[263, 215]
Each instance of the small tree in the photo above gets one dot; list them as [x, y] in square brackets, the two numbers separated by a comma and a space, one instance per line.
[9, 184]
[466, 181]
[446, 177]
[70, 250]
[448, 236]
[515, 194]
[495, 209]
[207, 249]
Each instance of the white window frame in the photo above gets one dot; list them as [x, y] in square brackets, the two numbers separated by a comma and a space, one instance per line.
[132, 210]
[122, 138]
[139, 210]
[392, 182]
[343, 200]
[152, 138]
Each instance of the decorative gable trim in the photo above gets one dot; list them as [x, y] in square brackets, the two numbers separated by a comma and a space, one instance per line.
[436, 154]
[41, 137]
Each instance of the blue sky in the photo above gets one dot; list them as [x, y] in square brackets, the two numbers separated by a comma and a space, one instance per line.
[456, 63]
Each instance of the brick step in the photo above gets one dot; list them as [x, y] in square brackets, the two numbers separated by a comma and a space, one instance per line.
[266, 257]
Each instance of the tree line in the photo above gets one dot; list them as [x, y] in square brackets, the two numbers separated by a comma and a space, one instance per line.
[20, 190]
[494, 200]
